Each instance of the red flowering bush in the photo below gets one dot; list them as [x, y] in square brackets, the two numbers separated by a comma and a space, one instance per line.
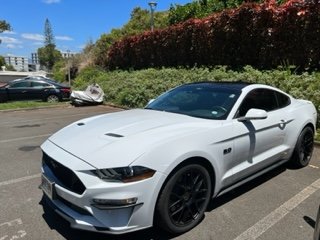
[261, 35]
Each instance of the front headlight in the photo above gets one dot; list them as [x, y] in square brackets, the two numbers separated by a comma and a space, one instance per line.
[125, 174]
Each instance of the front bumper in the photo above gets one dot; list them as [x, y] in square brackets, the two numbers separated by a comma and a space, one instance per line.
[78, 208]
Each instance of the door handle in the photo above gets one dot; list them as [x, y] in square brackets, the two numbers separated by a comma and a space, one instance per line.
[282, 124]
[24, 91]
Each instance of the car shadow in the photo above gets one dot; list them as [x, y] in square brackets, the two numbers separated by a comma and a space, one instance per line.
[310, 221]
[237, 192]
[56, 222]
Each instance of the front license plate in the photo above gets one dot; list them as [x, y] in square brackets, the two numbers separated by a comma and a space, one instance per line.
[47, 187]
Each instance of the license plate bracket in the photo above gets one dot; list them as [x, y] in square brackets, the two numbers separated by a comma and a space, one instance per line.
[48, 187]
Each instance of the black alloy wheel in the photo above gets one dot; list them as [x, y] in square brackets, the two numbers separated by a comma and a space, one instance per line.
[184, 199]
[304, 147]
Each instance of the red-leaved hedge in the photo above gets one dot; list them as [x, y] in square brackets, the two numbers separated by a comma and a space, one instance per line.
[261, 35]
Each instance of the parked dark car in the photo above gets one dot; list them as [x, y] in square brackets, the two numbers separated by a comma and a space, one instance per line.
[33, 89]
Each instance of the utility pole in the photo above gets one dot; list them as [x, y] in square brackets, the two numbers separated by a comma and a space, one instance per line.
[153, 6]
[69, 77]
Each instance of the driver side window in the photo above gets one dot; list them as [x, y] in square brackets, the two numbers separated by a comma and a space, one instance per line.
[23, 84]
[264, 99]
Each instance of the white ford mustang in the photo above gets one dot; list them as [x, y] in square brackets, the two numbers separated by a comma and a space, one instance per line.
[161, 165]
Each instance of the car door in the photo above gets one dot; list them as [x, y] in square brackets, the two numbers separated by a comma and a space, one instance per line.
[19, 90]
[39, 89]
[259, 143]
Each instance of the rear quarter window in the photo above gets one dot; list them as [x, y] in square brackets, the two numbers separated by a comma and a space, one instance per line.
[283, 100]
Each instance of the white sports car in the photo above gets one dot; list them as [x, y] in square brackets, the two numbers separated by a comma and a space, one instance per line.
[125, 171]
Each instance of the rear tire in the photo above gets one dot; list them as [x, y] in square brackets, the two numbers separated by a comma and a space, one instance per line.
[184, 199]
[304, 147]
[52, 98]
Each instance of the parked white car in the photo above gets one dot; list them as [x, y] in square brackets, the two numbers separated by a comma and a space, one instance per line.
[161, 165]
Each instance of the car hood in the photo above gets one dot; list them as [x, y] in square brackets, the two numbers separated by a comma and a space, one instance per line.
[118, 139]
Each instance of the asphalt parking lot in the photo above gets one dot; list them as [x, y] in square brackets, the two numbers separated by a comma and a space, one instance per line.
[280, 205]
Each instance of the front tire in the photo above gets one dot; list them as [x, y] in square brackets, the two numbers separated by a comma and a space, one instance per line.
[184, 199]
[304, 147]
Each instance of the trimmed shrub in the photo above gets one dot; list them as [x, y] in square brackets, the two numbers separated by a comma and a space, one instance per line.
[261, 35]
[135, 88]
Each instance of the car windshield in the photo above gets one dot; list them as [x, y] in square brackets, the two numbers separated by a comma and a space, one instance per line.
[209, 101]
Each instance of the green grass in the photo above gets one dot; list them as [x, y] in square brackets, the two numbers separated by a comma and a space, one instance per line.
[29, 104]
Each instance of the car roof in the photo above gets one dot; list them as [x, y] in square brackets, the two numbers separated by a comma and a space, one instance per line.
[46, 80]
[235, 85]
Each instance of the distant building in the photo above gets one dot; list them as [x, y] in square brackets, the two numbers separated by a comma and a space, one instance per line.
[34, 58]
[19, 63]
[68, 54]
[35, 63]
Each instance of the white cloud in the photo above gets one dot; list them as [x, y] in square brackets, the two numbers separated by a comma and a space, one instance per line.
[13, 46]
[51, 1]
[33, 36]
[64, 38]
[10, 40]
[9, 33]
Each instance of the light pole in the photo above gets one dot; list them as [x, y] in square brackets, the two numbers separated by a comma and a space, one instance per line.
[153, 6]
[69, 77]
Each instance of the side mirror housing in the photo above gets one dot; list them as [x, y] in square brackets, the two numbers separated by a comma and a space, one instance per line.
[254, 114]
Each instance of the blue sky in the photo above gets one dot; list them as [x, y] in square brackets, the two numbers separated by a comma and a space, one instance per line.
[74, 22]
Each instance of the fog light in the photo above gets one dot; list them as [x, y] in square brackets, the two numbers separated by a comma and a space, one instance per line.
[114, 203]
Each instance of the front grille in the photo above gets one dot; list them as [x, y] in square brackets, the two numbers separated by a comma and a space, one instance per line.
[66, 177]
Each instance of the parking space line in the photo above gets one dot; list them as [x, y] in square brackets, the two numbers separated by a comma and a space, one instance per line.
[313, 166]
[17, 180]
[25, 138]
[275, 216]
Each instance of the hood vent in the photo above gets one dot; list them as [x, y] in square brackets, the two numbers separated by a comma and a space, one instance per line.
[114, 135]
[80, 124]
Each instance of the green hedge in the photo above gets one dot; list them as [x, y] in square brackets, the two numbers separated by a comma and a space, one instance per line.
[135, 88]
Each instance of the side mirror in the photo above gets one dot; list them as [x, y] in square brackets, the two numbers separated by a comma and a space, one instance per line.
[254, 114]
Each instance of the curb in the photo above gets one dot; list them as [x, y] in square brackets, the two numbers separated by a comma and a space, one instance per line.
[33, 108]
[59, 106]
[116, 106]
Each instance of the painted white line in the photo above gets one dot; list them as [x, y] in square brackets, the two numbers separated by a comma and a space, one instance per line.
[17, 180]
[313, 166]
[17, 221]
[25, 138]
[267, 222]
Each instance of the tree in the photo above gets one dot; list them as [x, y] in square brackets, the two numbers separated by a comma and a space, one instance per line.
[139, 22]
[201, 8]
[48, 34]
[48, 54]
[10, 68]
[7, 67]
[4, 26]
[2, 61]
